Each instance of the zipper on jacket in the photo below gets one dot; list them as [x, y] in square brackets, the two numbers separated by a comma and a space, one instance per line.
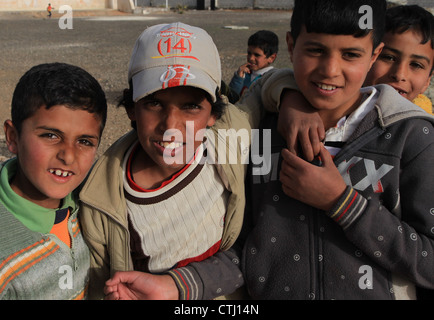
[319, 237]
[313, 257]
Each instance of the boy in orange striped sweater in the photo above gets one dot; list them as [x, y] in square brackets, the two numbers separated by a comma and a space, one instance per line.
[58, 115]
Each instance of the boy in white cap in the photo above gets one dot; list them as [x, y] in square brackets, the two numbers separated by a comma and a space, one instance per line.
[154, 202]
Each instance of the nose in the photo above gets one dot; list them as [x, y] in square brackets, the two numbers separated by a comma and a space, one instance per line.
[66, 154]
[399, 72]
[171, 119]
[330, 67]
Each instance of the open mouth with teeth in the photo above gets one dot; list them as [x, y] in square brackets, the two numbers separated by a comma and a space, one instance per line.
[400, 91]
[60, 173]
[170, 145]
[326, 87]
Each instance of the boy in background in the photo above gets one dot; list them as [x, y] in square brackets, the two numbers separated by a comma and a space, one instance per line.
[407, 60]
[262, 49]
[58, 115]
[357, 223]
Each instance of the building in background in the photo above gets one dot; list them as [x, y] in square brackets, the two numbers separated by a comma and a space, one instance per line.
[131, 5]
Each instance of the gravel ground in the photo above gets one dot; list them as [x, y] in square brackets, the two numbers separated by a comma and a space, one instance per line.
[101, 42]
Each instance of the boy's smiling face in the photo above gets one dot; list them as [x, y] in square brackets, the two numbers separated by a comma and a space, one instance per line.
[404, 63]
[170, 110]
[257, 59]
[330, 69]
[56, 149]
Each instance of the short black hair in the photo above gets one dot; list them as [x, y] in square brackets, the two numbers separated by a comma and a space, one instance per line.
[338, 17]
[217, 108]
[266, 40]
[400, 19]
[52, 84]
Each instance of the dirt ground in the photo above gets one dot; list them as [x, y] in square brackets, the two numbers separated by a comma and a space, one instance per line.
[101, 42]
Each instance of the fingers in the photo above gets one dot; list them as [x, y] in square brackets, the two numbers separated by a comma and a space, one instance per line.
[309, 145]
[292, 142]
[288, 156]
[306, 142]
[291, 162]
[111, 292]
[244, 69]
[326, 157]
[112, 296]
[289, 171]
[321, 131]
[317, 137]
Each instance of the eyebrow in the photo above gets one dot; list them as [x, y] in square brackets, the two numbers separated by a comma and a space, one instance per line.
[414, 56]
[319, 44]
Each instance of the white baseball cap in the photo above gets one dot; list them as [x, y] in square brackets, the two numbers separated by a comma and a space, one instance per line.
[171, 55]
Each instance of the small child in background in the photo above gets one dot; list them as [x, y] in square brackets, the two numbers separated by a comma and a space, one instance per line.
[407, 60]
[49, 9]
[58, 115]
[262, 48]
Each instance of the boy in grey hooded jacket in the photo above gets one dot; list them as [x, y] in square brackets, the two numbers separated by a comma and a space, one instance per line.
[357, 223]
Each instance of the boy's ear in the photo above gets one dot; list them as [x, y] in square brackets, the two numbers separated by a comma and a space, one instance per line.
[11, 135]
[376, 54]
[290, 43]
[272, 57]
[211, 121]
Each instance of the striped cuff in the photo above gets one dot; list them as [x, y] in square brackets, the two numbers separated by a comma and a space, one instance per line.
[188, 287]
[348, 208]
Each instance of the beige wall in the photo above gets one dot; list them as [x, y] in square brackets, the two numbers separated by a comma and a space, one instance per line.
[125, 5]
[18, 5]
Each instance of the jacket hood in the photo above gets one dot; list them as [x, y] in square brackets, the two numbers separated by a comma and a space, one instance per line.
[392, 107]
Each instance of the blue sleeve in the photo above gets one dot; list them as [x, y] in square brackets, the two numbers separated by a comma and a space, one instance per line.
[237, 83]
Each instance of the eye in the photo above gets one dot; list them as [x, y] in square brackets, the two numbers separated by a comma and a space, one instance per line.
[192, 106]
[351, 55]
[417, 65]
[49, 136]
[387, 57]
[150, 104]
[153, 103]
[87, 142]
[315, 51]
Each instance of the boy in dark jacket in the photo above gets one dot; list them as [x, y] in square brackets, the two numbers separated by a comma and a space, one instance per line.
[357, 223]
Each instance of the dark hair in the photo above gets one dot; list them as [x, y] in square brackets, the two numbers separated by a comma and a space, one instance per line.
[217, 107]
[51, 84]
[266, 40]
[338, 17]
[400, 19]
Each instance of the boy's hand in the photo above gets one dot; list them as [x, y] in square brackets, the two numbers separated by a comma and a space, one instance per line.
[242, 70]
[135, 285]
[300, 125]
[318, 186]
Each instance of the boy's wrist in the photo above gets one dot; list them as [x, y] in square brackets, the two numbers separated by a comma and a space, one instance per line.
[348, 208]
[185, 279]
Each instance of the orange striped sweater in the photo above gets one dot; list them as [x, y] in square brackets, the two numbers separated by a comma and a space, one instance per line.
[40, 266]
